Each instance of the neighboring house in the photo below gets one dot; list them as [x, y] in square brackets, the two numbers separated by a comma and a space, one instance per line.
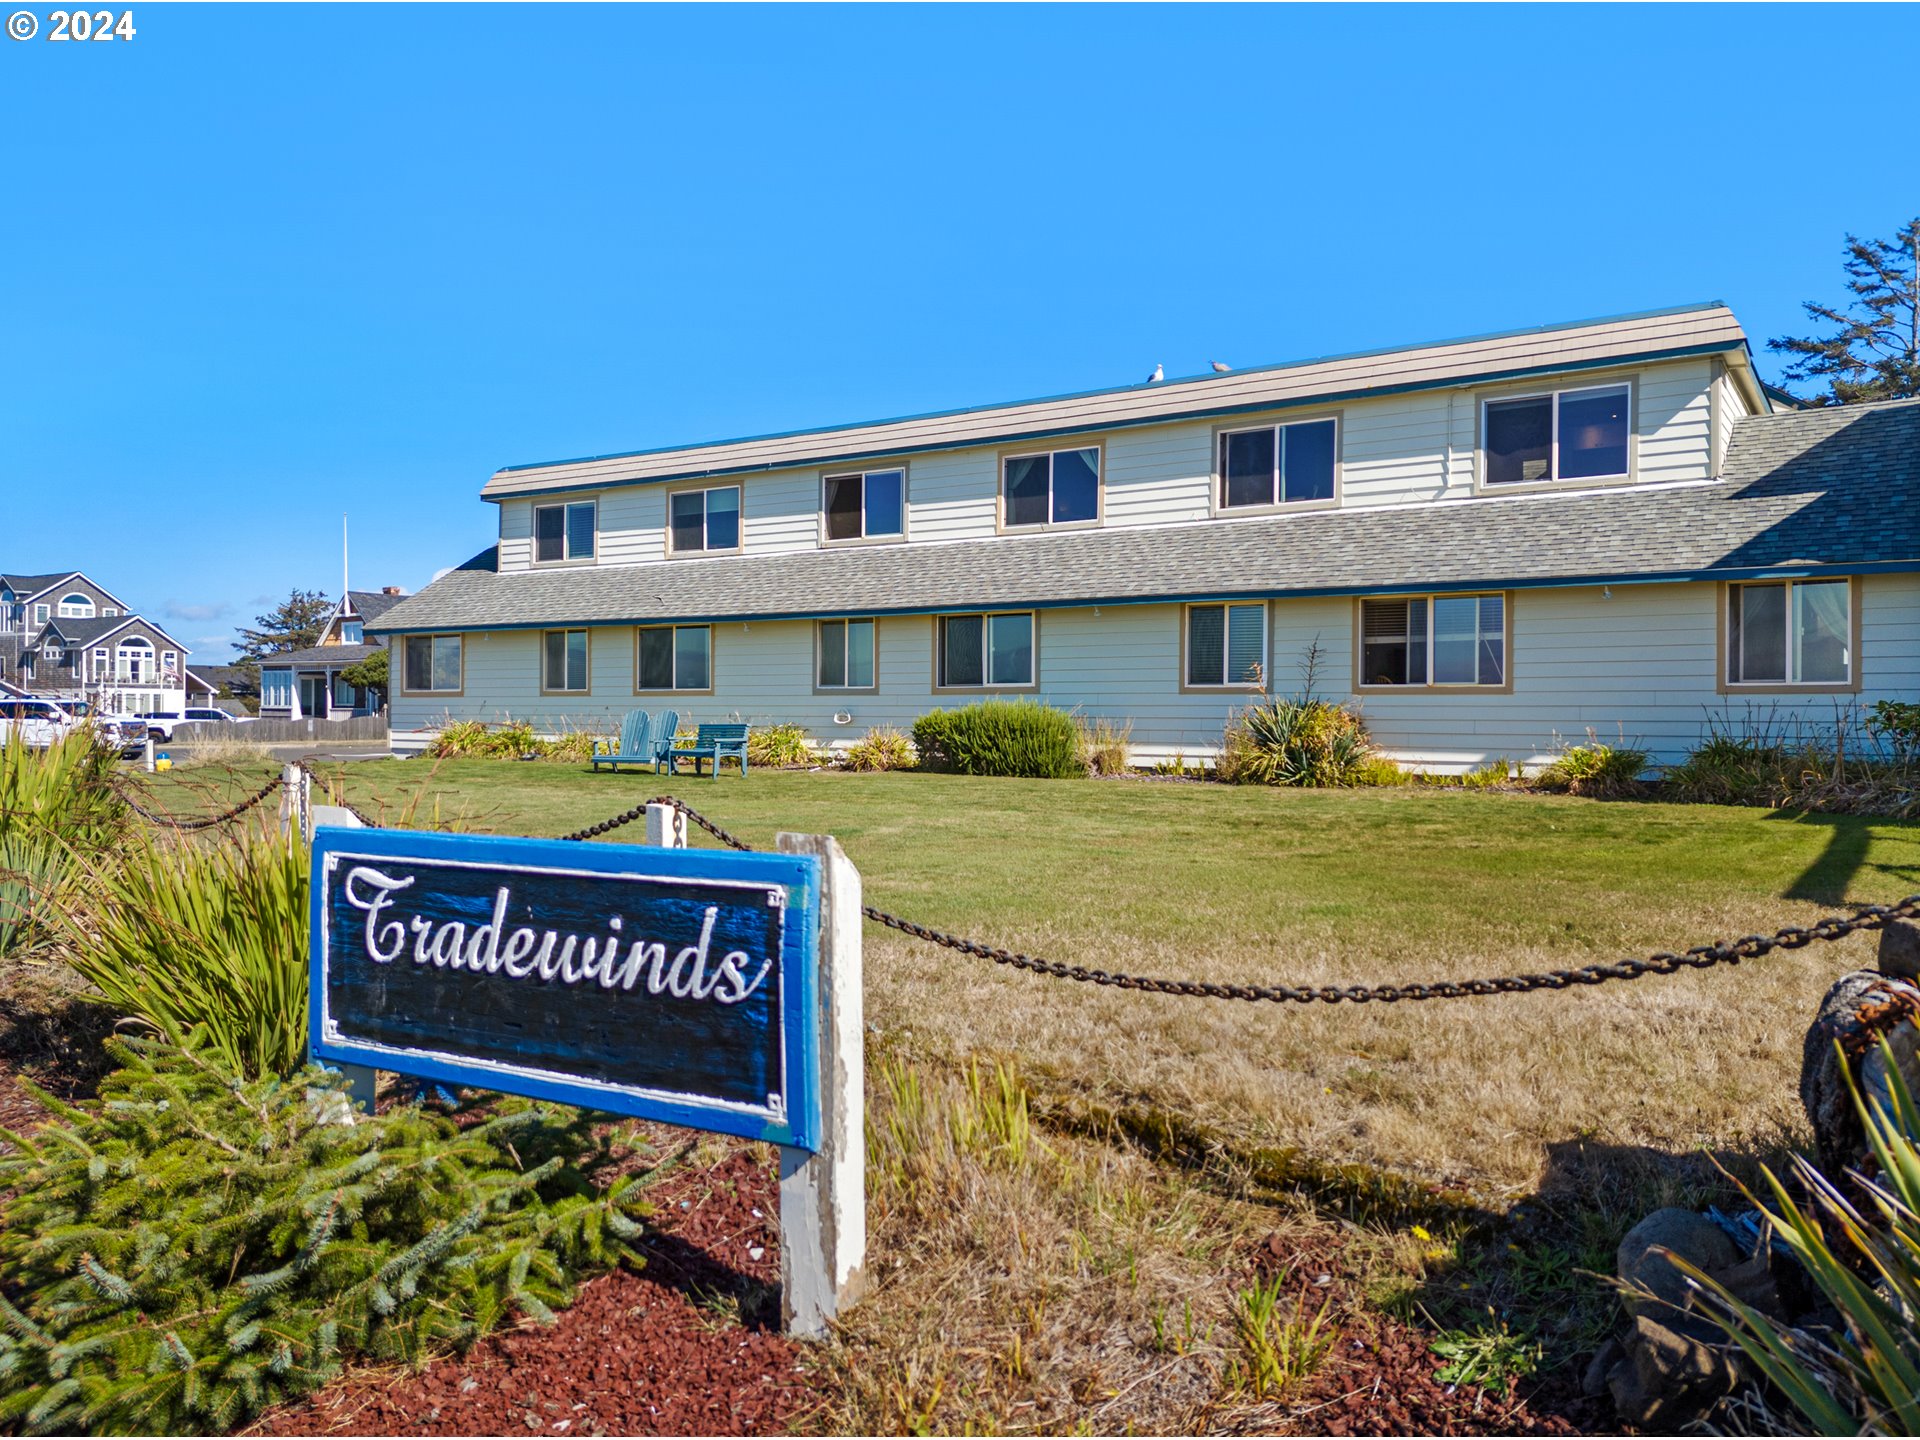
[124, 663]
[66, 637]
[1491, 545]
[230, 687]
[306, 684]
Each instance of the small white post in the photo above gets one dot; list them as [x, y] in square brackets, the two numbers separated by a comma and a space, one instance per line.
[823, 1196]
[149, 752]
[296, 803]
[362, 1080]
[667, 826]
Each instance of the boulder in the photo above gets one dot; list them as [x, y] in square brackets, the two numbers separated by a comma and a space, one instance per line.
[1858, 1009]
[1642, 1258]
[1900, 950]
[1667, 1380]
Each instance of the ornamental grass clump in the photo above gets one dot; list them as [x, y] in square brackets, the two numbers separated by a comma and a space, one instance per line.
[191, 1248]
[58, 807]
[779, 747]
[182, 933]
[1300, 741]
[1001, 737]
[1596, 770]
[882, 748]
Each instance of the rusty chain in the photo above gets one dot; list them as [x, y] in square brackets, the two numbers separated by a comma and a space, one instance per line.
[1662, 962]
[202, 822]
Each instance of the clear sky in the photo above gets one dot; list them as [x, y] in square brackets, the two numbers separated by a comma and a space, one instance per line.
[266, 265]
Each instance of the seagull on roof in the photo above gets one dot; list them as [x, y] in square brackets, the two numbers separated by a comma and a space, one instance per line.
[1220, 369]
[1159, 374]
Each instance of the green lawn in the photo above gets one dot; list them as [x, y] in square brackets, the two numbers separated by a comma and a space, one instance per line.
[1215, 882]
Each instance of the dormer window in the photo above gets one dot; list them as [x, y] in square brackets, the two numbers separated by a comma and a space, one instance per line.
[1560, 435]
[351, 633]
[564, 532]
[865, 505]
[1061, 487]
[703, 521]
[1278, 465]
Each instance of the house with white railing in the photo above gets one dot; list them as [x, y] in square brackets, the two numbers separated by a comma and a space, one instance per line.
[64, 636]
[1489, 545]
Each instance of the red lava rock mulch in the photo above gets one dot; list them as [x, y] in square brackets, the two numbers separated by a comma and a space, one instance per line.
[691, 1345]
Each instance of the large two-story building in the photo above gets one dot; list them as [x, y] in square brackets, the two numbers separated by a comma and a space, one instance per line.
[65, 636]
[1491, 545]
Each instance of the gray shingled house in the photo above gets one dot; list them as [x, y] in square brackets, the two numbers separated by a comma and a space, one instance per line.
[1491, 545]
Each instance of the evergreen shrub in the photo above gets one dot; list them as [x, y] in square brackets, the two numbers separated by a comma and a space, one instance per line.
[1001, 737]
[189, 1248]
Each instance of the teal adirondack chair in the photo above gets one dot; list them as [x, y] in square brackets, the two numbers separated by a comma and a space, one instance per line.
[636, 744]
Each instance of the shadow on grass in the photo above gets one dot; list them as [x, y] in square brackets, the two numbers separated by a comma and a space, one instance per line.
[1834, 872]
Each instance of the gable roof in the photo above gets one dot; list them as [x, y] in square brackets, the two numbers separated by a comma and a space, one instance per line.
[332, 657]
[370, 604]
[93, 630]
[32, 587]
[1833, 488]
[1687, 330]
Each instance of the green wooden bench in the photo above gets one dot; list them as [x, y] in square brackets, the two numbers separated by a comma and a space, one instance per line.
[714, 742]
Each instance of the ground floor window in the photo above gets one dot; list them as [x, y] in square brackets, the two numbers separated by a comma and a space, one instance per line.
[1434, 640]
[673, 657]
[564, 662]
[977, 651]
[276, 689]
[1790, 632]
[1226, 644]
[433, 664]
[845, 655]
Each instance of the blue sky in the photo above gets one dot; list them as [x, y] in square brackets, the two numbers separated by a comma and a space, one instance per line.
[269, 264]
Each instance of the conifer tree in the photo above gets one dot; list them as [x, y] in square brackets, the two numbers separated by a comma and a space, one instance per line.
[1872, 350]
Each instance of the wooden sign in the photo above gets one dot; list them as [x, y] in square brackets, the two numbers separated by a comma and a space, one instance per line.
[671, 984]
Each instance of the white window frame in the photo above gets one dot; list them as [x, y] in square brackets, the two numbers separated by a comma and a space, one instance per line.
[41, 614]
[1227, 607]
[1277, 505]
[547, 687]
[1007, 526]
[820, 652]
[1505, 683]
[1554, 398]
[988, 685]
[827, 477]
[673, 652]
[133, 647]
[82, 611]
[706, 519]
[406, 641]
[1730, 654]
[566, 509]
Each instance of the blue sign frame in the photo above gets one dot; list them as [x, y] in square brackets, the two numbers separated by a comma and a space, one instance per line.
[444, 1004]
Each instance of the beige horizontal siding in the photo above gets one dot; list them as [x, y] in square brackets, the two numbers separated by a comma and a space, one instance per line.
[1573, 346]
[1638, 666]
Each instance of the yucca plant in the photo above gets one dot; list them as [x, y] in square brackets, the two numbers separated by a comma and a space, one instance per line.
[1299, 741]
[1864, 1255]
[57, 804]
[184, 935]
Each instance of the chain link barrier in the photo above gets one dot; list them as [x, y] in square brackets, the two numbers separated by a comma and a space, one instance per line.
[198, 822]
[1662, 962]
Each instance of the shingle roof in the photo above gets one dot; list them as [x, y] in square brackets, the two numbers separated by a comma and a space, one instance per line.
[1826, 487]
[1684, 330]
[331, 656]
[372, 604]
[25, 585]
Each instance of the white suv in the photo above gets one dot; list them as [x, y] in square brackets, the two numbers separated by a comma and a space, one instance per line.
[38, 723]
[162, 723]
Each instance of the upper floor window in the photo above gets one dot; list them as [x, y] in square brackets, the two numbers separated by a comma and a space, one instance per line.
[40, 614]
[980, 651]
[564, 663]
[352, 633]
[1434, 640]
[1061, 487]
[433, 665]
[108, 611]
[76, 607]
[564, 532]
[1226, 644]
[1562, 435]
[1790, 632]
[673, 657]
[845, 657]
[867, 505]
[1278, 464]
[703, 520]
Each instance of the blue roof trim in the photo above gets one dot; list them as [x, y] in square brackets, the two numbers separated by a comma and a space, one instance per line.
[1315, 401]
[1142, 385]
[1305, 592]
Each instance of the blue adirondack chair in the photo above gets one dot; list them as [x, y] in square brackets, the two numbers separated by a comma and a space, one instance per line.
[712, 742]
[635, 747]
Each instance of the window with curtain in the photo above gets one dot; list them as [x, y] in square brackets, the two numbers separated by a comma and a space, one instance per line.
[673, 657]
[1226, 644]
[1434, 640]
[432, 664]
[564, 663]
[1790, 632]
[565, 532]
[701, 520]
[1278, 464]
[867, 505]
[982, 651]
[845, 658]
[1061, 487]
[1561, 435]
